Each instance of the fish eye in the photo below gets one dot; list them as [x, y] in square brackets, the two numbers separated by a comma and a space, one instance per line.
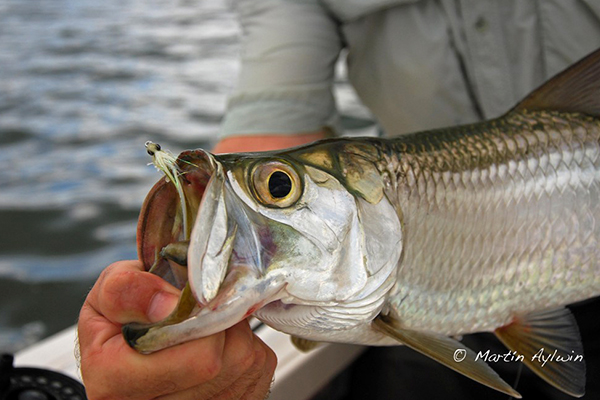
[280, 184]
[276, 184]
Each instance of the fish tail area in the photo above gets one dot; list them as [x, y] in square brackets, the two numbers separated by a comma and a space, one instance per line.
[551, 347]
[576, 89]
[446, 351]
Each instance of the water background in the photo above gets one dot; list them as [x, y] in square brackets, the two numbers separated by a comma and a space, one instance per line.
[83, 84]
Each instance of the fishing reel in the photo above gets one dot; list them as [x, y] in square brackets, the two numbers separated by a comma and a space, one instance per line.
[36, 383]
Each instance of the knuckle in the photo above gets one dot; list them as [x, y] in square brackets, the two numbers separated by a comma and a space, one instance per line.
[108, 271]
[212, 364]
[119, 276]
[271, 361]
[118, 289]
[212, 369]
[260, 355]
[119, 280]
[247, 357]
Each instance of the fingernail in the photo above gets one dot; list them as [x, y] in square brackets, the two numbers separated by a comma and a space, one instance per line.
[161, 305]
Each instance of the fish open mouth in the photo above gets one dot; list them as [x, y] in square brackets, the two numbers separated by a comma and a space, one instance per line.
[161, 218]
[219, 288]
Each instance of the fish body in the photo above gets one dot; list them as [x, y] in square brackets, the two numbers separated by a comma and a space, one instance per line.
[502, 219]
[498, 219]
[411, 240]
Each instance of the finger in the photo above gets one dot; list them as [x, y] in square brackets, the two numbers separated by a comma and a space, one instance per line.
[115, 370]
[213, 362]
[255, 383]
[239, 359]
[263, 386]
[125, 293]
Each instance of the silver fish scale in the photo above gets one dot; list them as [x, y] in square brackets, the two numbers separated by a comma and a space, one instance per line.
[499, 219]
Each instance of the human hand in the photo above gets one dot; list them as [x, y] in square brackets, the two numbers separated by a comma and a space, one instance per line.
[233, 364]
[251, 143]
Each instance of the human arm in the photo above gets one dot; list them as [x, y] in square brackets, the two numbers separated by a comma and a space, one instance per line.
[249, 143]
[284, 94]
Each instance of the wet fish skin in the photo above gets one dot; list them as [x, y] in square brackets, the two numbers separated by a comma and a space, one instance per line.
[499, 219]
[413, 240]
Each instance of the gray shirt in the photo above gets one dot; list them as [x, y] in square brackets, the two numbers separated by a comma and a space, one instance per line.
[417, 64]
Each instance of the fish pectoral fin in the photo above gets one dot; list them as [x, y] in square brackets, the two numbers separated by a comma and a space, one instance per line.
[446, 351]
[304, 345]
[549, 342]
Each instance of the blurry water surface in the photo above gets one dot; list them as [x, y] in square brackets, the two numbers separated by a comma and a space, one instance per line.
[83, 84]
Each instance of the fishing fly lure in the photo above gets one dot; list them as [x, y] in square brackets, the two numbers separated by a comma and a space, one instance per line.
[166, 162]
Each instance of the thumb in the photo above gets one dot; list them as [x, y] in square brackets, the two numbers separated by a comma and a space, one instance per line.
[125, 293]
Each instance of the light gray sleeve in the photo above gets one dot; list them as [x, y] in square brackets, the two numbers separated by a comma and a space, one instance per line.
[289, 49]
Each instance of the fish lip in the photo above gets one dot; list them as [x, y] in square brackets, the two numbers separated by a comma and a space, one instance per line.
[133, 332]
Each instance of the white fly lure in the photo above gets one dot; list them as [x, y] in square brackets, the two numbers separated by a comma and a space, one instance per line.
[166, 162]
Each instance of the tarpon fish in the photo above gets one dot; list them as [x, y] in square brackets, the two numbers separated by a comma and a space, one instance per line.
[414, 240]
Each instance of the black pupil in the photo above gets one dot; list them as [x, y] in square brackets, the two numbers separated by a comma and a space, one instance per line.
[280, 184]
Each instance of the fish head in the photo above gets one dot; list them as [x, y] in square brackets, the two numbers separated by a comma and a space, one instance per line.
[283, 236]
